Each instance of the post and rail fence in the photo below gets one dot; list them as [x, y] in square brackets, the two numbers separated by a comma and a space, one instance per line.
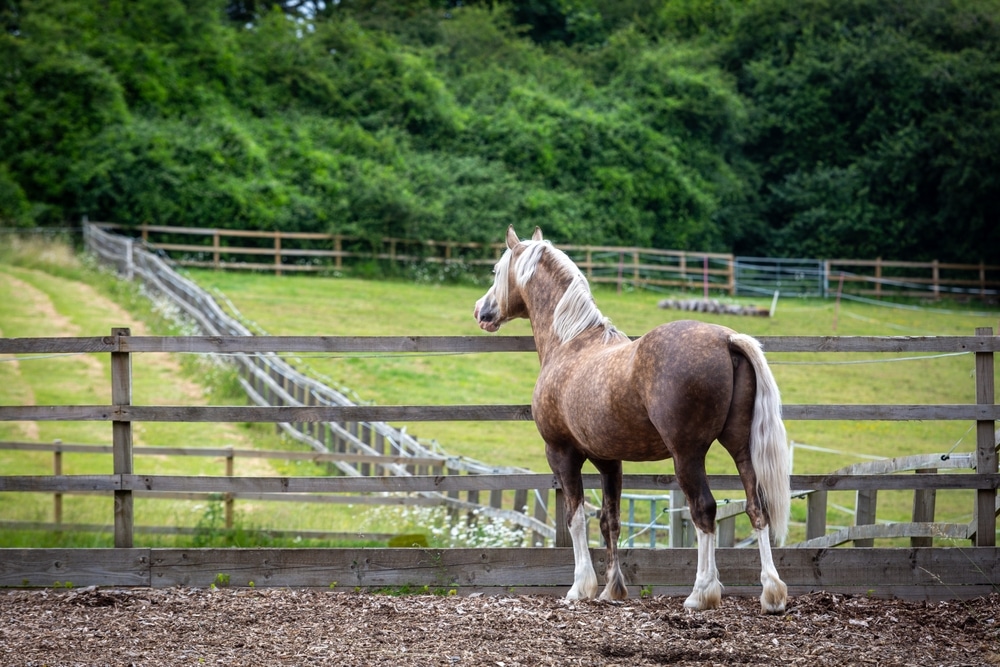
[649, 268]
[123, 483]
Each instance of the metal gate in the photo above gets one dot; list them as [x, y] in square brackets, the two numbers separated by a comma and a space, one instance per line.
[755, 276]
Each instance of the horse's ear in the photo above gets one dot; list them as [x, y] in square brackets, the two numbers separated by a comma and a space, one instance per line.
[537, 236]
[512, 239]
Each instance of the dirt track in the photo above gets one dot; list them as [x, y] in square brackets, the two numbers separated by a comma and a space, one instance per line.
[309, 627]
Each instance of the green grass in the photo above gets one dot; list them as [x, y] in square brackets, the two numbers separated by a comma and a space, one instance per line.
[87, 302]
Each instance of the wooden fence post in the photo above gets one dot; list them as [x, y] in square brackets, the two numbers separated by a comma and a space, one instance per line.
[726, 532]
[121, 439]
[621, 271]
[563, 538]
[365, 435]
[731, 275]
[923, 508]
[277, 253]
[679, 536]
[541, 513]
[129, 269]
[229, 501]
[986, 453]
[57, 469]
[816, 514]
[864, 513]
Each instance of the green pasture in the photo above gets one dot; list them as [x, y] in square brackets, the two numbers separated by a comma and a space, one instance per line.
[45, 290]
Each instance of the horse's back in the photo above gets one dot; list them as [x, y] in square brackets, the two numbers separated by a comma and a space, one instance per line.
[636, 401]
[686, 347]
[684, 371]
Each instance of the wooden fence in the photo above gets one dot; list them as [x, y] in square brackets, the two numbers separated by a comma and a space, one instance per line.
[881, 278]
[642, 267]
[303, 251]
[913, 572]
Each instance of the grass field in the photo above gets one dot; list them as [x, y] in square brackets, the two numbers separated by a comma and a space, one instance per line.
[47, 291]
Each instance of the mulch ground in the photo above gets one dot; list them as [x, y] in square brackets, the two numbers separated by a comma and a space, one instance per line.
[310, 627]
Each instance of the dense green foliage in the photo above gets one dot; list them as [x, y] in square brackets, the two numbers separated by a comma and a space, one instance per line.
[785, 127]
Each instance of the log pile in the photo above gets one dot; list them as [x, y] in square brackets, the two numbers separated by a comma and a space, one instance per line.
[712, 306]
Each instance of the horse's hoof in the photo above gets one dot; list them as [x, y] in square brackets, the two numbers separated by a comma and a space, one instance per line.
[705, 598]
[773, 604]
[774, 597]
[582, 592]
[614, 594]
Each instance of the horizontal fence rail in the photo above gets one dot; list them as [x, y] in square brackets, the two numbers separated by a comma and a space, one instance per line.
[414, 484]
[434, 413]
[939, 573]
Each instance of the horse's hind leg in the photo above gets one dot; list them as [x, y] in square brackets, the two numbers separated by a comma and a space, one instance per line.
[566, 463]
[735, 437]
[775, 593]
[707, 593]
[611, 485]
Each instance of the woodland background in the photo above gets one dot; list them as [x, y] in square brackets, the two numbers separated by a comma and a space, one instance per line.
[808, 128]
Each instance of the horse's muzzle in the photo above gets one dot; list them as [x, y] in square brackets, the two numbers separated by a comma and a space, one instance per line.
[487, 315]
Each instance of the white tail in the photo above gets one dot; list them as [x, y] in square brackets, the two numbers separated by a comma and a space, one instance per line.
[768, 441]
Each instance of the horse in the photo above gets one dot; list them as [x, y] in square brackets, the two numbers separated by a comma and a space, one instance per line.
[603, 397]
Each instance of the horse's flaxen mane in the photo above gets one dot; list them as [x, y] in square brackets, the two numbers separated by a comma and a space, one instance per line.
[576, 311]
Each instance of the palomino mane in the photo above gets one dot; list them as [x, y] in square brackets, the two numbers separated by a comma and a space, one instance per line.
[576, 311]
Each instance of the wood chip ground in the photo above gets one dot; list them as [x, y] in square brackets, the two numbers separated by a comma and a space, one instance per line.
[311, 627]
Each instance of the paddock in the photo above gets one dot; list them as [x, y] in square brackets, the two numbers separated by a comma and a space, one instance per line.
[914, 572]
[372, 457]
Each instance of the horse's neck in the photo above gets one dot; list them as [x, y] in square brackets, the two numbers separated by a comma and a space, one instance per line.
[548, 343]
[588, 344]
[545, 291]
[543, 330]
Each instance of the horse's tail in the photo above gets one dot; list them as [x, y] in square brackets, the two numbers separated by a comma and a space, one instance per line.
[768, 441]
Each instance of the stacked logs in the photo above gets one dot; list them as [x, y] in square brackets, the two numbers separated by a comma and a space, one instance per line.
[712, 306]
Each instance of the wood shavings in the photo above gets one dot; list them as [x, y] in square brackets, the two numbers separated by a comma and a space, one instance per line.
[314, 627]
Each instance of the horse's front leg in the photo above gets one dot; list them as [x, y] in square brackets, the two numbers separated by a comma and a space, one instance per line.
[611, 485]
[567, 463]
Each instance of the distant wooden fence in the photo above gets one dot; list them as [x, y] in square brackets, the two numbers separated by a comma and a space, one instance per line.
[880, 278]
[303, 251]
[219, 248]
[915, 572]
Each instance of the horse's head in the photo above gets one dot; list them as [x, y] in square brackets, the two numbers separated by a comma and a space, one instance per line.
[503, 301]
